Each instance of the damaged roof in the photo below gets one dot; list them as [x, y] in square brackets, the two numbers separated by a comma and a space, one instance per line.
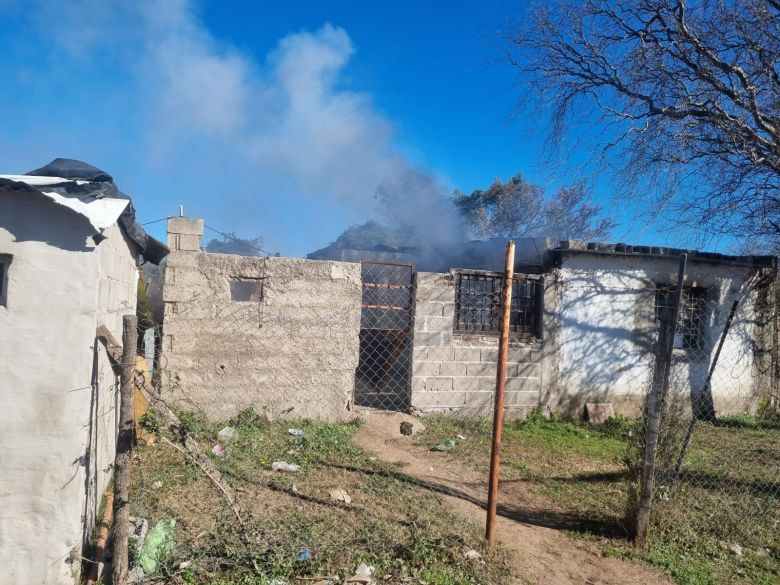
[91, 193]
[583, 247]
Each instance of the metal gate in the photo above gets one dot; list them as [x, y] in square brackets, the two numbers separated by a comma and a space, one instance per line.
[384, 369]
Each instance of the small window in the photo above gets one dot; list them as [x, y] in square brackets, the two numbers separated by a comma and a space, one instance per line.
[478, 304]
[246, 290]
[5, 263]
[690, 323]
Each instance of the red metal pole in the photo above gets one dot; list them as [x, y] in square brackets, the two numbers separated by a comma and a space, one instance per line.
[498, 414]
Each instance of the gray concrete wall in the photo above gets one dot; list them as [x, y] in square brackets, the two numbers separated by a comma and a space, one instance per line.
[456, 372]
[293, 352]
[57, 429]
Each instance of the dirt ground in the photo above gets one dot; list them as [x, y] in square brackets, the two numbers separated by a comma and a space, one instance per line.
[540, 554]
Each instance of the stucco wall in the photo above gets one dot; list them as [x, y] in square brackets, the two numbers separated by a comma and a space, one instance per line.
[607, 332]
[456, 372]
[117, 292]
[292, 353]
[47, 333]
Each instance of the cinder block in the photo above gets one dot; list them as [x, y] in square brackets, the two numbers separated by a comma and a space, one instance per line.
[184, 242]
[449, 310]
[453, 369]
[185, 225]
[481, 369]
[418, 384]
[442, 354]
[429, 309]
[524, 385]
[426, 368]
[474, 384]
[480, 399]
[437, 324]
[419, 353]
[427, 338]
[434, 293]
[438, 399]
[516, 354]
[527, 370]
[530, 399]
[437, 279]
[467, 354]
[438, 384]
[489, 355]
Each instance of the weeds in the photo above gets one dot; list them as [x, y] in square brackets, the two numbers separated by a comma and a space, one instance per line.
[402, 530]
[587, 471]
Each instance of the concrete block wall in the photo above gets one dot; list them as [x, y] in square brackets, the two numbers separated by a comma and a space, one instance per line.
[456, 372]
[293, 352]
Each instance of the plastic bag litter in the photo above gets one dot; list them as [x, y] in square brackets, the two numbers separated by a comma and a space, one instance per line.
[227, 435]
[362, 574]
[159, 541]
[218, 450]
[447, 445]
[284, 466]
[295, 432]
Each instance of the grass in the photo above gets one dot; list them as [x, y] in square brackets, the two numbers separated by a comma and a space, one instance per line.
[728, 494]
[402, 530]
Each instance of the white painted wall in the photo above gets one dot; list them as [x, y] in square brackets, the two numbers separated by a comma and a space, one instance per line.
[47, 333]
[607, 330]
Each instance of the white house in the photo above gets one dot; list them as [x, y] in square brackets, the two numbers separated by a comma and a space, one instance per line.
[69, 252]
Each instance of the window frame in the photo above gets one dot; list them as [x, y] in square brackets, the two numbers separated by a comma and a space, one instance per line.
[525, 317]
[690, 332]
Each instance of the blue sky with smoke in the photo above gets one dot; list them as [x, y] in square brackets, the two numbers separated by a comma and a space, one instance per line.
[269, 119]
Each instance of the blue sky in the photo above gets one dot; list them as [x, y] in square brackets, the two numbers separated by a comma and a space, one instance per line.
[272, 119]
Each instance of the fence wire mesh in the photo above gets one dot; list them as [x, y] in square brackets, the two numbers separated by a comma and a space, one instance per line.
[427, 346]
[717, 468]
[317, 499]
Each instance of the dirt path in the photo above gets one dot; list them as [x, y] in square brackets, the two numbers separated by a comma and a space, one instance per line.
[539, 554]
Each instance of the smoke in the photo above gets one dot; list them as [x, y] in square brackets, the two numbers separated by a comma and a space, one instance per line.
[285, 119]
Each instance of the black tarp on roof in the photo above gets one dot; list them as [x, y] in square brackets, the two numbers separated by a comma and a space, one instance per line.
[101, 184]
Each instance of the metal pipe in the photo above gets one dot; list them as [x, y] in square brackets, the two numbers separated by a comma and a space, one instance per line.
[655, 403]
[498, 414]
[100, 545]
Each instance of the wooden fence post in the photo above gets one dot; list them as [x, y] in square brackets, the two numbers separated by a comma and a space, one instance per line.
[655, 403]
[498, 414]
[120, 561]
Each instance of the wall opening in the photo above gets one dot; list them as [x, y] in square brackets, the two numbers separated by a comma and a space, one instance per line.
[246, 290]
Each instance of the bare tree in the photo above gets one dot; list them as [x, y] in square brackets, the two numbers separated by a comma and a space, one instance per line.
[684, 100]
[518, 209]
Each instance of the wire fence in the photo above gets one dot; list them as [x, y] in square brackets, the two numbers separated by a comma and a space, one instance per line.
[427, 347]
[316, 499]
[717, 467]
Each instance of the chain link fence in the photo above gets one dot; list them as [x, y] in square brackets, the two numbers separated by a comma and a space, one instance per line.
[717, 465]
[317, 500]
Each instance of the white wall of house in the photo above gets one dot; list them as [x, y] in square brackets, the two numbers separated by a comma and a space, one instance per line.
[607, 331]
[56, 297]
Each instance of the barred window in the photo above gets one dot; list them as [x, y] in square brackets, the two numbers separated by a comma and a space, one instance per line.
[478, 304]
[690, 323]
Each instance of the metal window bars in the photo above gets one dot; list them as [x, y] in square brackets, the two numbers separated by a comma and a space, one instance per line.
[478, 304]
